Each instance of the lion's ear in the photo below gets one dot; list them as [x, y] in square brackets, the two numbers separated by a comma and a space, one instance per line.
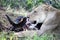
[47, 8]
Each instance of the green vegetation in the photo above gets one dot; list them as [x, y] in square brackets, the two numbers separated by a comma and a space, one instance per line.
[28, 4]
[11, 36]
[7, 35]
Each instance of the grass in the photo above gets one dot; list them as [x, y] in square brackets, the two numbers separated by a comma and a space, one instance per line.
[11, 36]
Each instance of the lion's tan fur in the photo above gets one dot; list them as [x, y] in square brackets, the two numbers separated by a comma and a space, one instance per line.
[47, 14]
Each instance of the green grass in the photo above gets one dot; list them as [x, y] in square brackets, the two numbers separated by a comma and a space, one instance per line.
[7, 36]
[46, 36]
[11, 36]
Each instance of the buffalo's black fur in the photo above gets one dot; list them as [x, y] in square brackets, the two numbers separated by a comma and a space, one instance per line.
[17, 26]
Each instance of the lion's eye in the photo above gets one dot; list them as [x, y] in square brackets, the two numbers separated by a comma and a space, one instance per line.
[35, 11]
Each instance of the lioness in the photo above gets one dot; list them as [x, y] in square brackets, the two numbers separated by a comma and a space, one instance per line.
[46, 14]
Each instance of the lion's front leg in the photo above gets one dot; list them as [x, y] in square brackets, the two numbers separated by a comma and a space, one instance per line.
[45, 28]
[50, 23]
